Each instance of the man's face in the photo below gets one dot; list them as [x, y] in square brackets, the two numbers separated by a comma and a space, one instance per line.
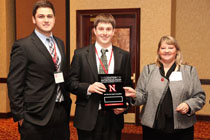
[104, 33]
[44, 20]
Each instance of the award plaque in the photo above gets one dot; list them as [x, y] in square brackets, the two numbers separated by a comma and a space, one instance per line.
[114, 96]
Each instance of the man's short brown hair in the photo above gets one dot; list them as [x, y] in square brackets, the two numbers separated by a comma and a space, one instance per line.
[104, 18]
[44, 4]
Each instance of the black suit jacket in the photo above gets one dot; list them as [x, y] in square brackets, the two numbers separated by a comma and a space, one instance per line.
[84, 72]
[31, 84]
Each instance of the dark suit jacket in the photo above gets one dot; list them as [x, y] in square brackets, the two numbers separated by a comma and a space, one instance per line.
[84, 72]
[31, 84]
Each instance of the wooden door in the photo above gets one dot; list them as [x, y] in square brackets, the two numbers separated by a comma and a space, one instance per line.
[127, 37]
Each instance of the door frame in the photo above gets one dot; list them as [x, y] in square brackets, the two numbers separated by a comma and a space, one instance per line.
[80, 14]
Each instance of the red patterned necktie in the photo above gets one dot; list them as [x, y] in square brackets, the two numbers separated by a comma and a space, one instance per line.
[52, 49]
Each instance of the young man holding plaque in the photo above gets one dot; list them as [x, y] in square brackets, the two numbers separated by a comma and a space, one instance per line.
[91, 120]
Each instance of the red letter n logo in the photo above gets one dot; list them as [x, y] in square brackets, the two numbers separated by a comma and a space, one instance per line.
[112, 88]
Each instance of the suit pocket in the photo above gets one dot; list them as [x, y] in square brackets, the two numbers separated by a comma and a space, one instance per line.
[80, 103]
[33, 98]
[33, 103]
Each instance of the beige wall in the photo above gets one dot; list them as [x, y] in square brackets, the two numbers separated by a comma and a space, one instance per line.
[155, 22]
[193, 35]
[191, 24]
[7, 37]
[206, 108]
[187, 20]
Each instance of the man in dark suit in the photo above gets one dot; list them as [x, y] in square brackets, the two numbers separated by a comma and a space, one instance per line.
[91, 121]
[36, 89]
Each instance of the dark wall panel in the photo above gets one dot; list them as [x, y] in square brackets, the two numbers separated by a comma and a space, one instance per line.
[24, 25]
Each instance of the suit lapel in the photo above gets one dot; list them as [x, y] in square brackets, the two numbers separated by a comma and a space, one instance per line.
[117, 59]
[91, 57]
[41, 47]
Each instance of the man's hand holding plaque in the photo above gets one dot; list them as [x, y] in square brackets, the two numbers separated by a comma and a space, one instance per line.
[97, 87]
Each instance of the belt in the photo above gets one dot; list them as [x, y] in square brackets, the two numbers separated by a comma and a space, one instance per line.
[103, 112]
[59, 103]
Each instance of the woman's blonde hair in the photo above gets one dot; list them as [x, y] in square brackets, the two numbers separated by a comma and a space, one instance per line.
[170, 41]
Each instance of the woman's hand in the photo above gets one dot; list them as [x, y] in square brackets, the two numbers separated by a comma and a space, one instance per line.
[130, 92]
[183, 108]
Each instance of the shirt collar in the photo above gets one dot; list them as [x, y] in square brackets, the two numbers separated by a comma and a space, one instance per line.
[99, 47]
[42, 36]
[162, 72]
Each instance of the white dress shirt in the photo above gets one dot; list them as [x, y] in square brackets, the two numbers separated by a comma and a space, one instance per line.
[108, 56]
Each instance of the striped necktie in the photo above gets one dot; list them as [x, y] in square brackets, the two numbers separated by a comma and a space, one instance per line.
[52, 49]
[104, 61]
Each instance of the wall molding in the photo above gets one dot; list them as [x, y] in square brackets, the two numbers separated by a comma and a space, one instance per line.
[199, 117]
[5, 115]
[203, 117]
[205, 81]
[3, 80]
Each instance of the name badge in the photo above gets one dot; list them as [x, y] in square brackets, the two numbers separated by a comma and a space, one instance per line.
[175, 76]
[58, 77]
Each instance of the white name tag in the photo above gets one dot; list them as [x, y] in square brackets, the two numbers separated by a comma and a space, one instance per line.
[58, 77]
[175, 76]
